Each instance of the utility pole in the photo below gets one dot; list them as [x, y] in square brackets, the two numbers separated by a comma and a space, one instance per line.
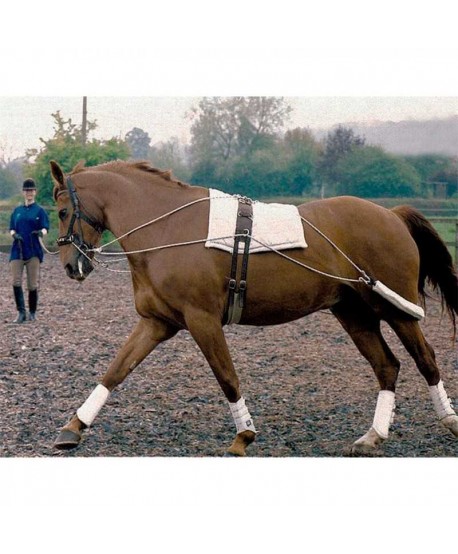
[84, 125]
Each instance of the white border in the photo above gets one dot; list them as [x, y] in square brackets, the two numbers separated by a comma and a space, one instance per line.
[310, 504]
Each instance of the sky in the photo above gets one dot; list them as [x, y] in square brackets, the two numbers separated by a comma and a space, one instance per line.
[24, 119]
[147, 69]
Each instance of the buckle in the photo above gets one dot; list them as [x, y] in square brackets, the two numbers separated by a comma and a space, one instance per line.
[62, 241]
[232, 284]
[244, 200]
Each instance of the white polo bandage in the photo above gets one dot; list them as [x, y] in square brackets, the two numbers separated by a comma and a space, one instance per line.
[384, 413]
[89, 410]
[242, 418]
[442, 403]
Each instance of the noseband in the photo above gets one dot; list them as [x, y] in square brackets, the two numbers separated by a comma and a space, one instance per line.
[77, 239]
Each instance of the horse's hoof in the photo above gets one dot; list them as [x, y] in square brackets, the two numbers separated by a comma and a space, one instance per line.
[451, 423]
[241, 441]
[67, 440]
[367, 444]
[228, 454]
[362, 450]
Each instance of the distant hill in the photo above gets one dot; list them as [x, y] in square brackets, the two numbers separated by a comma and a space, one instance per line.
[433, 136]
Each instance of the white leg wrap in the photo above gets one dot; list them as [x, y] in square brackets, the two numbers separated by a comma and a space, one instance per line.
[442, 403]
[89, 410]
[242, 418]
[384, 413]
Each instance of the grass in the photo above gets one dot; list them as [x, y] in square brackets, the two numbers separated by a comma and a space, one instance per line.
[447, 232]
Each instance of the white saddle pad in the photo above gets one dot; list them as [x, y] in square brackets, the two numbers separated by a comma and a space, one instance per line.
[276, 226]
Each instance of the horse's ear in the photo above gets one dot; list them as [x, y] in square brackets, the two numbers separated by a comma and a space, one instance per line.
[58, 177]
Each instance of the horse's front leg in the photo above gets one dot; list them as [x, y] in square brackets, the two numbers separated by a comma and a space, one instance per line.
[207, 331]
[145, 337]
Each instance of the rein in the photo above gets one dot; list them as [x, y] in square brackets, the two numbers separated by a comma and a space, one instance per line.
[85, 248]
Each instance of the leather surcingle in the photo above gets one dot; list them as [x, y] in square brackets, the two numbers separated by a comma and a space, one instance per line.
[238, 279]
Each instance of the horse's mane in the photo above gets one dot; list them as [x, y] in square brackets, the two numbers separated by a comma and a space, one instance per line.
[120, 166]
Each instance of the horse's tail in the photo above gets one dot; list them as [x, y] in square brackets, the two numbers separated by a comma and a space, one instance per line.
[436, 264]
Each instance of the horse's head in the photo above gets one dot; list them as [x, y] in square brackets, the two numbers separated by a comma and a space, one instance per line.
[79, 230]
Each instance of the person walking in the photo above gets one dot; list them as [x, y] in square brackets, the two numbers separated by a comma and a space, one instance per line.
[28, 223]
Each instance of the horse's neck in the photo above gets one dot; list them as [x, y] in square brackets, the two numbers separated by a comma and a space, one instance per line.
[131, 206]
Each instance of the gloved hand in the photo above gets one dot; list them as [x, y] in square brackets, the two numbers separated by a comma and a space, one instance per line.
[17, 236]
[38, 233]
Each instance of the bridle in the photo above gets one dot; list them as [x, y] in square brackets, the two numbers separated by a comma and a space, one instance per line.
[72, 237]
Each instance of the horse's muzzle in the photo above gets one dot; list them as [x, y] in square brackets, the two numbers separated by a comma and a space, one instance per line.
[80, 270]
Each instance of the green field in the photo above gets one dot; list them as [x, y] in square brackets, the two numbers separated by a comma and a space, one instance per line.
[447, 231]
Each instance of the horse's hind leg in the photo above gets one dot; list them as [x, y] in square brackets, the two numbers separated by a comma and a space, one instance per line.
[145, 337]
[363, 326]
[207, 331]
[411, 336]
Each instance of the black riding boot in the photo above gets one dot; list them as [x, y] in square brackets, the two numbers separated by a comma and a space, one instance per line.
[20, 305]
[33, 302]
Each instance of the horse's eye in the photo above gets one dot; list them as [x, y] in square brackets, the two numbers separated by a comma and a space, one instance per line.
[62, 214]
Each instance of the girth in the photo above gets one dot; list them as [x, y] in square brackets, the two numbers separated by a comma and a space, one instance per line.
[238, 278]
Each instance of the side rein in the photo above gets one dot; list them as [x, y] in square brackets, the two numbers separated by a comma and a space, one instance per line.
[77, 239]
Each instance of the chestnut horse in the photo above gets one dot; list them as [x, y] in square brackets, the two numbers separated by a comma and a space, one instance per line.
[186, 286]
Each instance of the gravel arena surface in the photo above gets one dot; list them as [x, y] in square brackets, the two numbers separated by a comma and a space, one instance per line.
[310, 392]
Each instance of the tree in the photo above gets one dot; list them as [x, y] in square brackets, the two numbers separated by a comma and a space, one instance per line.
[434, 168]
[67, 130]
[370, 172]
[11, 175]
[215, 128]
[8, 183]
[67, 148]
[338, 144]
[302, 153]
[224, 128]
[139, 143]
[16, 168]
[449, 176]
[429, 164]
[261, 173]
[281, 167]
[261, 118]
[171, 155]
